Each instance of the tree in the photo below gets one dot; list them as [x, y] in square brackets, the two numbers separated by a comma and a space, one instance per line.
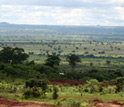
[6, 55]
[18, 55]
[92, 86]
[13, 55]
[52, 61]
[42, 83]
[43, 69]
[80, 89]
[108, 62]
[55, 92]
[119, 84]
[91, 64]
[73, 59]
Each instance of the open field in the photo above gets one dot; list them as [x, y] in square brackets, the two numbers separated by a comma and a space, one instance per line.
[68, 95]
[94, 44]
[96, 53]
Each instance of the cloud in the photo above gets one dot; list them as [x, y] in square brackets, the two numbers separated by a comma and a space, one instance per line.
[61, 16]
[65, 3]
[63, 12]
[120, 13]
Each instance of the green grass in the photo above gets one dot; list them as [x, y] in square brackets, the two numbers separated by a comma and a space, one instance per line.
[67, 95]
[68, 47]
[84, 100]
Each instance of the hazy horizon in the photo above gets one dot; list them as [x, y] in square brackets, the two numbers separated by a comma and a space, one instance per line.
[61, 25]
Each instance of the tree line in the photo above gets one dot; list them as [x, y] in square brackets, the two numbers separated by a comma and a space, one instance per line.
[18, 56]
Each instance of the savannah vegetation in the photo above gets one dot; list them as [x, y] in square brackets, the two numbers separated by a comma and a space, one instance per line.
[33, 59]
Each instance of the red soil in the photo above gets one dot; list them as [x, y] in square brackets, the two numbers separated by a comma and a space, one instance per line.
[13, 103]
[99, 103]
[67, 82]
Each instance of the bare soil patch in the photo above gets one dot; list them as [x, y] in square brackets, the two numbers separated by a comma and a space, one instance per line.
[99, 103]
[13, 103]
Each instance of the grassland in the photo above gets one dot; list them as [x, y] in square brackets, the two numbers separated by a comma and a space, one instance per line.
[67, 95]
[94, 48]
[102, 51]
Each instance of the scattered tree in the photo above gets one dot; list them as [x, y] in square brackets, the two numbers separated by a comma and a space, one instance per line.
[42, 83]
[108, 62]
[73, 59]
[13, 55]
[52, 61]
[55, 92]
[119, 84]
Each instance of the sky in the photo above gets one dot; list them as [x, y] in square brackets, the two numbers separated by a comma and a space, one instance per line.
[63, 12]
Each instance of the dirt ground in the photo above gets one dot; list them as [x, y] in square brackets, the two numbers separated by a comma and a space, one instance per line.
[99, 103]
[13, 103]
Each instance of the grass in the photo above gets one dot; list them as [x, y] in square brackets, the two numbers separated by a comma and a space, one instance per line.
[67, 47]
[67, 95]
[84, 100]
[71, 93]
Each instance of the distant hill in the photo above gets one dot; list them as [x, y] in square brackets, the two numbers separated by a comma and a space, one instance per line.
[4, 23]
[33, 32]
[86, 29]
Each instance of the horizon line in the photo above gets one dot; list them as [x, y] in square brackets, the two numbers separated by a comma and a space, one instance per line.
[5, 23]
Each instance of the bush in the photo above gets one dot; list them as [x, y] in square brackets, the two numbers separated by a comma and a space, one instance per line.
[109, 90]
[12, 89]
[3, 85]
[44, 69]
[119, 82]
[27, 93]
[55, 92]
[74, 104]
[92, 86]
[41, 83]
[20, 71]
[32, 92]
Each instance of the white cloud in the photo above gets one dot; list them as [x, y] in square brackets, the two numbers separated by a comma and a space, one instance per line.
[120, 13]
[56, 15]
[65, 3]
[103, 1]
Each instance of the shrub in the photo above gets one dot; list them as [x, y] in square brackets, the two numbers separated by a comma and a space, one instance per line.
[44, 69]
[92, 86]
[109, 90]
[41, 83]
[32, 92]
[55, 92]
[27, 93]
[119, 84]
[74, 104]
[80, 89]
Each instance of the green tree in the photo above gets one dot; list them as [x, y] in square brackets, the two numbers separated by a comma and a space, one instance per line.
[42, 83]
[73, 60]
[43, 69]
[108, 62]
[19, 55]
[80, 89]
[6, 55]
[92, 86]
[119, 82]
[13, 55]
[52, 61]
[55, 92]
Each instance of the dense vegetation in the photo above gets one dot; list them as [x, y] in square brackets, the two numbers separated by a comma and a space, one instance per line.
[14, 64]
